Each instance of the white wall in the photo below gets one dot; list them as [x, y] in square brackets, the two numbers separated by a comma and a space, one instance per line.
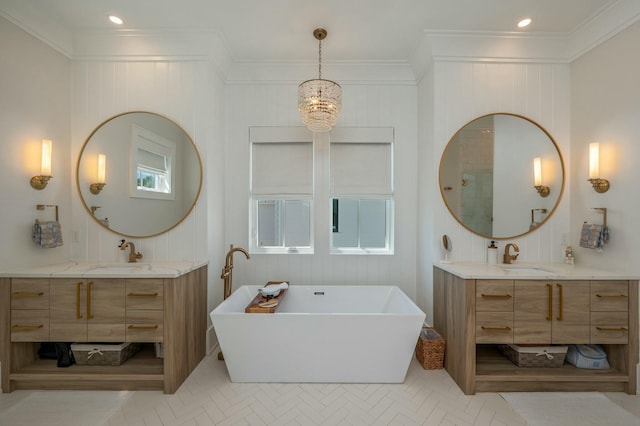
[462, 91]
[367, 104]
[189, 93]
[177, 90]
[35, 104]
[605, 99]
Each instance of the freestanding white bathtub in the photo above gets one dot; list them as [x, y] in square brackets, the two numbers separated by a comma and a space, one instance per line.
[326, 334]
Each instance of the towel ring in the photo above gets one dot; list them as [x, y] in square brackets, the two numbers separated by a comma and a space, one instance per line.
[42, 206]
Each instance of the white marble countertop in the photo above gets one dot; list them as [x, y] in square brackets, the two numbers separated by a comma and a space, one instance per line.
[71, 269]
[558, 271]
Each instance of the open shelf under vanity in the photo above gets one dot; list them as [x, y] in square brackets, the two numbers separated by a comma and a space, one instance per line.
[494, 372]
[142, 371]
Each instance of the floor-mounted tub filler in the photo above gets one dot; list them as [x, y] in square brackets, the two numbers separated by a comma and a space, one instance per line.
[321, 334]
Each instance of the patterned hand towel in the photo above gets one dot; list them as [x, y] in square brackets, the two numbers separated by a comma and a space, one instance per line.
[47, 234]
[593, 236]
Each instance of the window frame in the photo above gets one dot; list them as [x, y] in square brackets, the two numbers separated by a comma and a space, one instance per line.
[280, 135]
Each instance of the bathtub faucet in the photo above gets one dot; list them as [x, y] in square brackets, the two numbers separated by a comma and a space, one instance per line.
[227, 271]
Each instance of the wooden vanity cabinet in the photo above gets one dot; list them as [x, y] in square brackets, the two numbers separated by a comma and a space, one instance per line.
[145, 310]
[29, 302]
[494, 311]
[550, 311]
[171, 311]
[475, 316]
[87, 310]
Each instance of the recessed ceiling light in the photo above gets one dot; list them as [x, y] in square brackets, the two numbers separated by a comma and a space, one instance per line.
[116, 19]
[524, 22]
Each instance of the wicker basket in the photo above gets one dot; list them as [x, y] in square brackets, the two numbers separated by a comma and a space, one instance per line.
[103, 353]
[430, 349]
[535, 356]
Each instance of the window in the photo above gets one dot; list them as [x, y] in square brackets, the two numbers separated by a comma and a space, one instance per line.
[281, 200]
[152, 164]
[361, 190]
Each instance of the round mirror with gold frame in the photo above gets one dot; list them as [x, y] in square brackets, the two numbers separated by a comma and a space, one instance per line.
[501, 175]
[139, 174]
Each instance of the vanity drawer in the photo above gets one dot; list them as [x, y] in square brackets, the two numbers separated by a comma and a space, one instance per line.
[30, 325]
[143, 294]
[144, 326]
[29, 293]
[609, 327]
[494, 327]
[609, 296]
[494, 296]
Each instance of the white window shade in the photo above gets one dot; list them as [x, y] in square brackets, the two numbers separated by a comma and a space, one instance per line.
[362, 162]
[281, 162]
[151, 160]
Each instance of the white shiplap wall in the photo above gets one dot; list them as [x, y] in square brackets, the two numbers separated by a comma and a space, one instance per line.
[104, 89]
[367, 105]
[189, 93]
[463, 91]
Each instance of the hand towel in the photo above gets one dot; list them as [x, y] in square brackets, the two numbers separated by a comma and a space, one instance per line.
[47, 234]
[593, 236]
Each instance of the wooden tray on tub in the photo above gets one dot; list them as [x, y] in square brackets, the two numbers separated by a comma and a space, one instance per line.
[255, 306]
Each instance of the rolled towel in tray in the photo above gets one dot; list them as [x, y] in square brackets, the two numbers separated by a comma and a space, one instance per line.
[273, 290]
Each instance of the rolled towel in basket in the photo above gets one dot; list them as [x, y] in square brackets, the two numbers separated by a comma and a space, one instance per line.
[47, 234]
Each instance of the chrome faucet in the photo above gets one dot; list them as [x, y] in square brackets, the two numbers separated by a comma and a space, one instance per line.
[133, 256]
[227, 271]
[508, 258]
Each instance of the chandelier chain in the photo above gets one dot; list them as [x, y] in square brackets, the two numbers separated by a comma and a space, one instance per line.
[320, 59]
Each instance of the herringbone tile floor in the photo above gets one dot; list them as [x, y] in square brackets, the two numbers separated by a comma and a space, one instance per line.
[427, 397]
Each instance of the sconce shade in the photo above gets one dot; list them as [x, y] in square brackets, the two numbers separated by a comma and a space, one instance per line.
[41, 181]
[537, 171]
[95, 188]
[537, 178]
[102, 165]
[319, 100]
[47, 149]
[594, 160]
[599, 185]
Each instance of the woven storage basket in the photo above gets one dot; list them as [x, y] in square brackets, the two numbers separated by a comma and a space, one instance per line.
[103, 353]
[535, 356]
[430, 349]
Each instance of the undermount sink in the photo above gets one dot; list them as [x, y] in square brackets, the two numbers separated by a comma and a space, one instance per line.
[529, 269]
[119, 268]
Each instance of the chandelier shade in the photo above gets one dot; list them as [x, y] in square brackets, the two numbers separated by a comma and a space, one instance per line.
[319, 100]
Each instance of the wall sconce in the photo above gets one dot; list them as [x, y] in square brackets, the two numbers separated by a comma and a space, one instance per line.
[600, 185]
[95, 188]
[40, 182]
[537, 178]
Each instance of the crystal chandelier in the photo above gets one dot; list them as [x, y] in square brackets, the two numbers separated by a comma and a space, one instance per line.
[319, 100]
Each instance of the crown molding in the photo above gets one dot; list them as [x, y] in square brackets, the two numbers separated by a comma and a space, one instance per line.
[44, 30]
[342, 72]
[524, 47]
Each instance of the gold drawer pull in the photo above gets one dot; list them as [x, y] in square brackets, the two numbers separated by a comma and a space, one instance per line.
[611, 328]
[143, 327]
[611, 296]
[550, 299]
[78, 290]
[26, 327]
[26, 294]
[496, 296]
[495, 328]
[559, 317]
[143, 294]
